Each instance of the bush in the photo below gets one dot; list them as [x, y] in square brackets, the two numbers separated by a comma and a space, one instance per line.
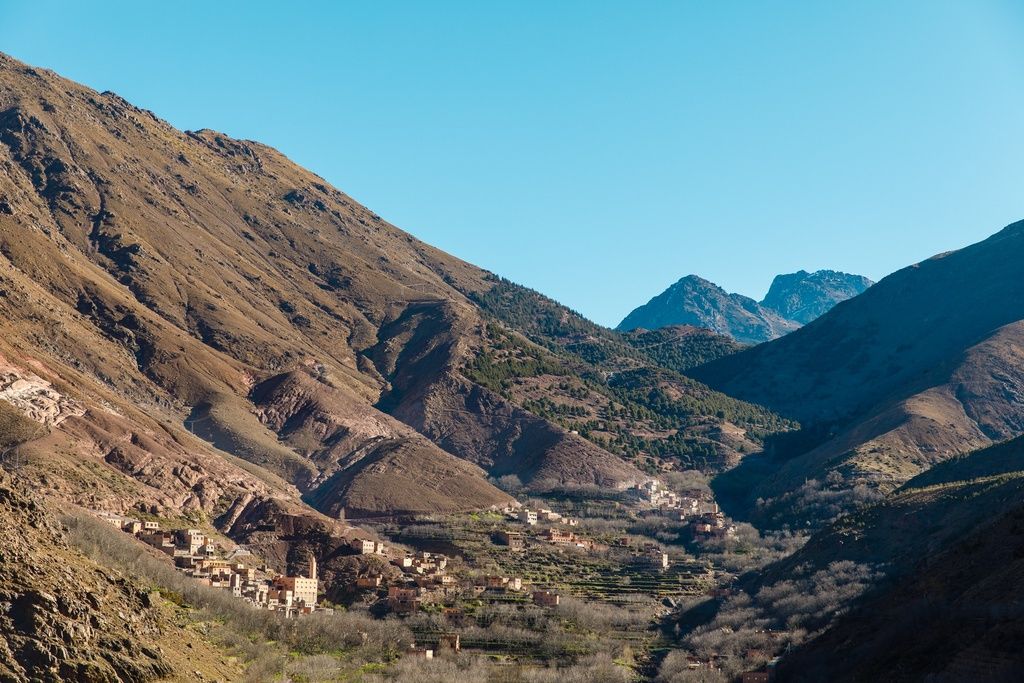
[676, 669]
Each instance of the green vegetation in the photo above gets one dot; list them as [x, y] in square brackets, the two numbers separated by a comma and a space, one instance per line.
[624, 393]
[508, 358]
[538, 316]
[680, 349]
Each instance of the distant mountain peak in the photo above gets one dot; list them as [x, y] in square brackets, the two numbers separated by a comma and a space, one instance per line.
[697, 279]
[693, 300]
[794, 299]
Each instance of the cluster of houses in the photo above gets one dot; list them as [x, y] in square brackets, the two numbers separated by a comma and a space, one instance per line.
[653, 493]
[425, 573]
[422, 563]
[427, 580]
[408, 599]
[426, 576]
[531, 517]
[711, 526]
[200, 557]
[366, 546]
[556, 536]
[686, 504]
[704, 519]
[432, 582]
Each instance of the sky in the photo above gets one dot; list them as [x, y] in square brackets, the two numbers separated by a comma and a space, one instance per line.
[599, 151]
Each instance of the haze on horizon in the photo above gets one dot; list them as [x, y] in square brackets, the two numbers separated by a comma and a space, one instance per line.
[598, 152]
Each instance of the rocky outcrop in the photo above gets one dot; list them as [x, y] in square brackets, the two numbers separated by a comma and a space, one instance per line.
[65, 618]
[34, 397]
[802, 296]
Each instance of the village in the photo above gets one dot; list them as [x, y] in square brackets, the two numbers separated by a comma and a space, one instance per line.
[518, 540]
[203, 559]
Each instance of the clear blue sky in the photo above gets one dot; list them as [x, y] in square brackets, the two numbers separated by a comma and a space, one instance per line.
[599, 151]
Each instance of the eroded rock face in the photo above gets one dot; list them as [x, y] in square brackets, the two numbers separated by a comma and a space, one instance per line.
[36, 398]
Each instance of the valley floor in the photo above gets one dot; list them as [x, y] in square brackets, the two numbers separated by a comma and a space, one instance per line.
[587, 584]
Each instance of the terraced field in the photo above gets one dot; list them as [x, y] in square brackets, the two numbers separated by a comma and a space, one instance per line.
[611, 576]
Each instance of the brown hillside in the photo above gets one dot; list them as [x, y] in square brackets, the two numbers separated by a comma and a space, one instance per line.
[924, 365]
[199, 268]
[68, 619]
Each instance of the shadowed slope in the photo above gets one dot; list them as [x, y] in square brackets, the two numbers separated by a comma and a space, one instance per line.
[952, 544]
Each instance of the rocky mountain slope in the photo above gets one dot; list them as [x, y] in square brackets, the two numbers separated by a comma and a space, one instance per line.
[68, 619]
[802, 296]
[792, 301]
[623, 392]
[206, 266]
[922, 366]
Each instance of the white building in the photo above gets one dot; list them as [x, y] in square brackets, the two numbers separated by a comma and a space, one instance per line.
[528, 516]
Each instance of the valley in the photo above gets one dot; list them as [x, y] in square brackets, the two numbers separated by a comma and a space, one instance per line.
[209, 353]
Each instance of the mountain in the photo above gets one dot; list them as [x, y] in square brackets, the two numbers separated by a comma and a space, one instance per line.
[802, 296]
[922, 366]
[193, 326]
[695, 301]
[793, 300]
[173, 274]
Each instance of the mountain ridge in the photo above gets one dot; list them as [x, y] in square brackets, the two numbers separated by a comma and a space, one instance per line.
[804, 296]
[923, 366]
[792, 300]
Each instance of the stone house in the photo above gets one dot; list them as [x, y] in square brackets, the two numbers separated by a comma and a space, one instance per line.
[546, 598]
